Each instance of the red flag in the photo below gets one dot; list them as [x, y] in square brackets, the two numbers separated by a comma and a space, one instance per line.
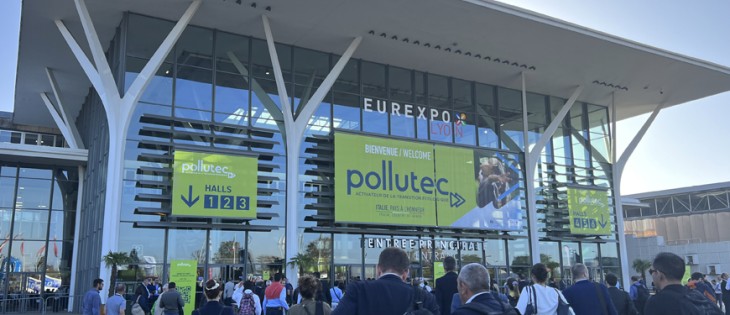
[55, 247]
[41, 251]
[22, 248]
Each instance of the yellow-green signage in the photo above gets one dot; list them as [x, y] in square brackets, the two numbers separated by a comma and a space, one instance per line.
[214, 185]
[184, 273]
[438, 271]
[589, 211]
[386, 181]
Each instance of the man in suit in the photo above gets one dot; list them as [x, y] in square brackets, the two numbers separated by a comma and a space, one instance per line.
[473, 285]
[446, 286]
[621, 300]
[389, 294]
[587, 297]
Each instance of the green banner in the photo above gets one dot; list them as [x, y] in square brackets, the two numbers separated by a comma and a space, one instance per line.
[386, 181]
[589, 211]
[438, 271]
[214, 185]
[184, 273]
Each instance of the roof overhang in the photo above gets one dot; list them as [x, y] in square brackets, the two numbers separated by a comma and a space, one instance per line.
[36, 154]
[563, 55]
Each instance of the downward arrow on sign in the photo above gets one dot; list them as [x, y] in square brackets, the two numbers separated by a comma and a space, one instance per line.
[602, 222]
[190, 201]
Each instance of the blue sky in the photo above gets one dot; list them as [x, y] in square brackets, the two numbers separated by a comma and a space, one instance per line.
[686, 144]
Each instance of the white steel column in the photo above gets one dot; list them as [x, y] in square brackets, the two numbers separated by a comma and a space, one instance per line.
[68, 129]
[118, 110]
[618, 170]
[295, 129]
[532, 157]
[75, 253]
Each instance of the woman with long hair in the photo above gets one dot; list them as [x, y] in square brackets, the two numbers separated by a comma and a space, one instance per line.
[212, 291]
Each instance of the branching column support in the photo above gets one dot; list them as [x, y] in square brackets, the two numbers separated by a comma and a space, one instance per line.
[118, 109]
[295, 128]
[532, 157]
[618, 170]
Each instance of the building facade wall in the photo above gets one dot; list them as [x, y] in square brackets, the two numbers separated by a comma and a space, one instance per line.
[199, 99]
[707, 257]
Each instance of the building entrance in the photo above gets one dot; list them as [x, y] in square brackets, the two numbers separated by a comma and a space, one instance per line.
[225, 272]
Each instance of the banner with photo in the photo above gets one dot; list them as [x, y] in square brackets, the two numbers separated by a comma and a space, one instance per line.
[386, 181]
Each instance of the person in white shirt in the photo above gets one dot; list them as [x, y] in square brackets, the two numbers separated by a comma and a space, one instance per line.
[237, 293]
[540, 294]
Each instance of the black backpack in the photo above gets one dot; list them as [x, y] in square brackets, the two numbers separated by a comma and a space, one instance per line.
[416, 307]
[700, 303]
[507, 309]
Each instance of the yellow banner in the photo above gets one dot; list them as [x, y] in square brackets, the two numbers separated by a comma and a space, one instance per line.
[589, 211]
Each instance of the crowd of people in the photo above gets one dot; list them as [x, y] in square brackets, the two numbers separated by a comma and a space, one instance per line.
[470, 291]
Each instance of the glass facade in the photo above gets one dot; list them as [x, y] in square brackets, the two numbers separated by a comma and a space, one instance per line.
[216, 93]
[217, 90]
[38, 211]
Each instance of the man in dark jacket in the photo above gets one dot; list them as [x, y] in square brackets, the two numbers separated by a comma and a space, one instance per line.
[473, 285]
[446, 286]
[389, 294]
[587, 297]
[667, 271]
[697, 282]
[621, 300]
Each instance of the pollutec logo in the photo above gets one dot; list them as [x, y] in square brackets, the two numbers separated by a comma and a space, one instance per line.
[388, 179]
[207, 169]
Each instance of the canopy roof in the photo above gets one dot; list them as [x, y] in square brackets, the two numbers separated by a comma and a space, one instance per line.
[555, 55]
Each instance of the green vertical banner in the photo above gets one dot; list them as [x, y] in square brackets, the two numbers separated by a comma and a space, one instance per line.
[384, 181]
[214, 185]
[438, 271]
[589, 211]
[184, 273]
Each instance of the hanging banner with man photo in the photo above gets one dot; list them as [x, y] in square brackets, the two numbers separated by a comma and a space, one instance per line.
[386, 181]
[589, 211]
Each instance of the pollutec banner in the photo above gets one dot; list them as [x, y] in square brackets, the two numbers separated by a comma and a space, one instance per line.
[589, 211]
[184, 273]
[386, 181]
[214, 185]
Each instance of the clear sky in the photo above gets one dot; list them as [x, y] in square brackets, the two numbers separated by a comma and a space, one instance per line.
[685, 146]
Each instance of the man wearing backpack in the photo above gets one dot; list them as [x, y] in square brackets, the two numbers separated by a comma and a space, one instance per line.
[389, 294]
[473, 285]
[249, 304]
[667, 271]
[639, 293]
[697, 282]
